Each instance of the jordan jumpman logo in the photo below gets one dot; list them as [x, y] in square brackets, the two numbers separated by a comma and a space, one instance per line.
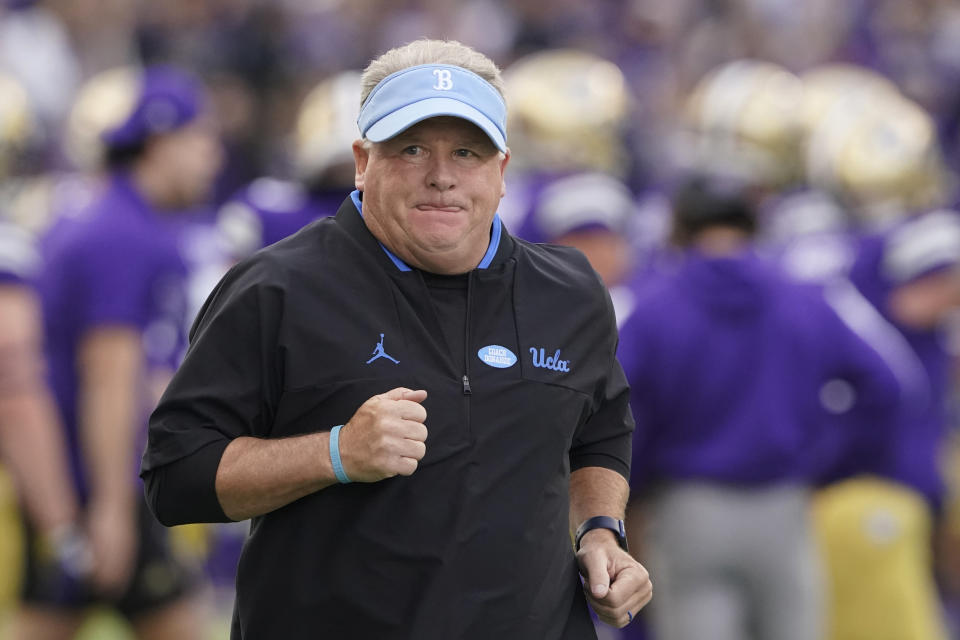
[378, 352]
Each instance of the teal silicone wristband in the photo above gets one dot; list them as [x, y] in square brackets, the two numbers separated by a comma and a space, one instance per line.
[335, 455]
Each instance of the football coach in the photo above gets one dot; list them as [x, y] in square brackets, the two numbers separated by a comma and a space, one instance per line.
[422, 416]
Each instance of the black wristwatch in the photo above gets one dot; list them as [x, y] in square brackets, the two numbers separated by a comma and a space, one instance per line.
[603, 522]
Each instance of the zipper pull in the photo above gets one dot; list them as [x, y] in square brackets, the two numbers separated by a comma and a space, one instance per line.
[466, 386]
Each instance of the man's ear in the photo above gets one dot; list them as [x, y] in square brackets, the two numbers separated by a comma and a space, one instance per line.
[503, 168]
[361, 155]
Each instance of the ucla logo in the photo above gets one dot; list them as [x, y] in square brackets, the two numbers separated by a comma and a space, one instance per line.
[497, 356]
[444, 80]
[554, 363]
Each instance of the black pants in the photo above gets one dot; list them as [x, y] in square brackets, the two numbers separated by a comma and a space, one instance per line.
[158, 579]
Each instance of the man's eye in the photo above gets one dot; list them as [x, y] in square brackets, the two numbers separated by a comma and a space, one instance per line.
[464, 153]
[411, 150]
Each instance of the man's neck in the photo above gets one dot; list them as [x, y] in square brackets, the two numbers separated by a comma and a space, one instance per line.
[721, 242]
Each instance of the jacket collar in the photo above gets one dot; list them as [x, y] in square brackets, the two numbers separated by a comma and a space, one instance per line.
[350, 215]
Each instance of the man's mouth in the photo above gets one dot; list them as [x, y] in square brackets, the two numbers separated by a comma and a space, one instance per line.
[430, 206]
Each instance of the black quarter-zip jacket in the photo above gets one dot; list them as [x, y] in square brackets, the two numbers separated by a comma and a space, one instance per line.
[475, 543]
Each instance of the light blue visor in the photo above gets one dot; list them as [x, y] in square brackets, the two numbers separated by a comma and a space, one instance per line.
[406, 97]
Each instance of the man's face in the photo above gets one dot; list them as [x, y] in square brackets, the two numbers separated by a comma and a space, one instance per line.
[190, 158]
[430, 193]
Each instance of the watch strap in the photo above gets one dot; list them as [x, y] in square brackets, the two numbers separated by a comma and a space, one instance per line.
[602, 522]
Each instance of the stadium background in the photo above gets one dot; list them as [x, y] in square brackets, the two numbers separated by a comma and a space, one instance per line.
[260, 59]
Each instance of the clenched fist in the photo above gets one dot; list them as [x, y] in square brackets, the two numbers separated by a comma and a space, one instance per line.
[385, 437]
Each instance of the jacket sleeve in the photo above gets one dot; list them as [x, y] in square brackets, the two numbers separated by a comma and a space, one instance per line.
[604, 438]
[226, 387]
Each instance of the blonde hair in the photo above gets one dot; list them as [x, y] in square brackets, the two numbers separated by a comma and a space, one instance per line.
[426, 51]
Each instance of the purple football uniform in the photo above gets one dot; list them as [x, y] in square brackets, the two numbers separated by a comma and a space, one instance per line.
[918, 247]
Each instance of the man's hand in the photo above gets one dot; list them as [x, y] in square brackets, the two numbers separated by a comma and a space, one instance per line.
[112, 534]
[617, 586]
[385, 437]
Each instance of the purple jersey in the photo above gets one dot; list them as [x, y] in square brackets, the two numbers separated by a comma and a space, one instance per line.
[269, 210]
[117, 263]
[913, 249]
[727, 360]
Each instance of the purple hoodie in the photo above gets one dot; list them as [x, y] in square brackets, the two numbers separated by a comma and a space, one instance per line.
[727, 359]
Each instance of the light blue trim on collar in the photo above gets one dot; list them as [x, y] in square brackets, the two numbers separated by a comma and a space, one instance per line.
[494, 243]
[403, 266]
[495, 232]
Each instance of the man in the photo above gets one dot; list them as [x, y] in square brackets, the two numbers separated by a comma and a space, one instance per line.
[113, 302]
[429, 494]
[30, 441]
[732, 366]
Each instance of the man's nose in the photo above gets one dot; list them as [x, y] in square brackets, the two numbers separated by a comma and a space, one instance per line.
[441, 174]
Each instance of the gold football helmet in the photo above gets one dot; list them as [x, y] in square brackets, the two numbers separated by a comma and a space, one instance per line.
[566, 111]
[827, 86]
[880, 154]
[19, 130]
[326, 128]
[744, 117]
[103, 102]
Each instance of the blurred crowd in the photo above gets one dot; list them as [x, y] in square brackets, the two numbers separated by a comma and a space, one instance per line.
[768, 189]
[260, 59]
